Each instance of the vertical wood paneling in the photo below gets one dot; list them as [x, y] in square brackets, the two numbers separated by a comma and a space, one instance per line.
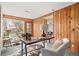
[37, 27]
[75, 23]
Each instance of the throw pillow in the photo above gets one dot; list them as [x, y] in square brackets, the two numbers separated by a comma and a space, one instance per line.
[57, 44]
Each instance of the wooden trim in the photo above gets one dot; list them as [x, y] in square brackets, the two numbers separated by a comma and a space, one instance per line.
[12, 17]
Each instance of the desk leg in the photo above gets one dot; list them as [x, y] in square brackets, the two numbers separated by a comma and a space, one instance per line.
[26, 49]
[44, 44]
[49, 41]
[21, 48]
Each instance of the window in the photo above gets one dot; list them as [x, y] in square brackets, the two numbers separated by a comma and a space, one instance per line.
[29, 27]
[12, 28]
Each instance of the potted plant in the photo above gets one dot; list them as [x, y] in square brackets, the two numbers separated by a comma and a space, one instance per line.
[27, 36]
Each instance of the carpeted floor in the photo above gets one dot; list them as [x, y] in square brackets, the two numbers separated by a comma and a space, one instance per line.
[11, 51]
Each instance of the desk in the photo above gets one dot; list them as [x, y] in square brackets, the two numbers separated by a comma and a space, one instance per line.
[23, 41]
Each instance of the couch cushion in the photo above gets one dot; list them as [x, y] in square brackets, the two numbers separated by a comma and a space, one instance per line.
[57, 43]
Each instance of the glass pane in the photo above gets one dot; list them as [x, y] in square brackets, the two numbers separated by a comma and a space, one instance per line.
[29, 27]
[12, 28]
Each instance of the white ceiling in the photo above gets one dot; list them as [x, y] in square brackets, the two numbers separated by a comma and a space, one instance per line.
[35, 9]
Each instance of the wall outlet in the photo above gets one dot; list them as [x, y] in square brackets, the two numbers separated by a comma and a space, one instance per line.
[72, 45]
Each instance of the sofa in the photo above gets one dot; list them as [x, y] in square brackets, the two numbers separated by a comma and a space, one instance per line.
[0, 46]
[60, 51]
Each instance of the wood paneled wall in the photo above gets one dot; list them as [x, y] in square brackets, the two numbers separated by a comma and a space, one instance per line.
[75, 27]
[62, 21]
[36, 26]
[66, 25]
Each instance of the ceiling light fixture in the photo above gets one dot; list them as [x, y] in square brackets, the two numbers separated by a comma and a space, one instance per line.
[53, 10]
[27, 11]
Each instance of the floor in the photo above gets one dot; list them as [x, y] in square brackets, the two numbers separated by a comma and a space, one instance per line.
[11, 51]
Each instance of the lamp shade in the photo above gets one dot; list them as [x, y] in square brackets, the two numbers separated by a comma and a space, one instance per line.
[45, 26]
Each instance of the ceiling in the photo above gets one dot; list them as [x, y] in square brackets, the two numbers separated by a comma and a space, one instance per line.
[32, 9]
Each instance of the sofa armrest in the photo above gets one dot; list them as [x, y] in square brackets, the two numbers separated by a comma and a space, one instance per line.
[48, 52]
